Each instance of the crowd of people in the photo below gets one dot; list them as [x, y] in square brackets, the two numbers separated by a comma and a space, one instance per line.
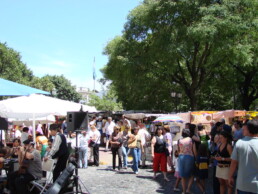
[232, 155]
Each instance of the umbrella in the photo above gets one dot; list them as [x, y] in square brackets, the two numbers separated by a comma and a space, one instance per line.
[168, 118]
[29, 122]
[36, 106]
[25, 107]
[9, 88]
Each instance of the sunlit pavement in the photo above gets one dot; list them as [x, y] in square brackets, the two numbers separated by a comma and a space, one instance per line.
[102, 179]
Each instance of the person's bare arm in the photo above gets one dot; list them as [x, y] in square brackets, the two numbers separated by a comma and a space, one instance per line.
[232, 169]
[153, 142]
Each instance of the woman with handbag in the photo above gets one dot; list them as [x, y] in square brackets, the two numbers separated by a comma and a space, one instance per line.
[95, 139]
[135, 145]
[158, 150]
[116, 143]
[224, 159]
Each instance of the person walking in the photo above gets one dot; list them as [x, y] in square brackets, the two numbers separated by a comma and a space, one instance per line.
[116, 143]
[158, 152]
[135, 145]
[125, 136]
[58, 151]
[245, 159]
[108, 129]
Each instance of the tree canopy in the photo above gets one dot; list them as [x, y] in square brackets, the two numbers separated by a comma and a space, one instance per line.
[204, 49]
[11, 66]
[107, 102]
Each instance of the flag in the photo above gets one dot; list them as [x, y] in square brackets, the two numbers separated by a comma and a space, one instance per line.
[94, 73]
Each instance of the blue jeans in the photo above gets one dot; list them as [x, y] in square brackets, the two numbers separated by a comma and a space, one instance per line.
[136, 158]
[244, 192]
[83, 157]
[125, 153]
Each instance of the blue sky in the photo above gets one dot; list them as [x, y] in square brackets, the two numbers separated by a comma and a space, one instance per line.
[63, 36]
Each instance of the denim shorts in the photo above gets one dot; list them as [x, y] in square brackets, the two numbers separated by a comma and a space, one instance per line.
[186, 165]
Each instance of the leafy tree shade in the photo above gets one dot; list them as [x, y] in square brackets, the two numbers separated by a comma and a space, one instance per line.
[107, 102]
[64, 88]
[185, 46]
[11, 66]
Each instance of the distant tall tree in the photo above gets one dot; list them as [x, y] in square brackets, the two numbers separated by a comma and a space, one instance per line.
[64, 88]
[180, 45]
[43, 83]
[107, 101]
[11, 66]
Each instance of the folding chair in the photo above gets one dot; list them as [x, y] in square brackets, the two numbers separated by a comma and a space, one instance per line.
[61, 182]
[42, 184]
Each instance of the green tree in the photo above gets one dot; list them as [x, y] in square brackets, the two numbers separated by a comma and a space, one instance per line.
[64, 88]
[11, 66]
[43, 83]
[107, 102]
[184, 46]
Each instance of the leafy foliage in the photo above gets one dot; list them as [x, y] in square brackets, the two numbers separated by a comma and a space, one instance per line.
[11, 66]
[107, 102]
[64, 88]
[193, 47]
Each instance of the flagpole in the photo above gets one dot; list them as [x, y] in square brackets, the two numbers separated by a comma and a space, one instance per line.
[94, 75]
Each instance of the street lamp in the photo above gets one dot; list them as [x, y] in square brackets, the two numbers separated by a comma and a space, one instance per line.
[177, 97]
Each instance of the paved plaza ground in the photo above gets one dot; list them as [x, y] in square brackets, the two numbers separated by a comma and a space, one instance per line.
[103, 180]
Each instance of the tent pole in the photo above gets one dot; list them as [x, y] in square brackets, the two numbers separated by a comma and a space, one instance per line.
[34, 128]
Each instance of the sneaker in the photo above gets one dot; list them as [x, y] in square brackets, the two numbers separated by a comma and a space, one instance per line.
[136, 172]
[176, 189]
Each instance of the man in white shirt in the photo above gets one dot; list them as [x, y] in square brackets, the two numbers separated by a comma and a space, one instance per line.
[58, 151]
[145, 136]
[17, 133]
[109, 128]
[95, 137]
[24, 134]
[245, 159]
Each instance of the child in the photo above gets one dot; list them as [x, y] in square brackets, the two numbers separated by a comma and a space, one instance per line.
[178, 178]
[202, 164]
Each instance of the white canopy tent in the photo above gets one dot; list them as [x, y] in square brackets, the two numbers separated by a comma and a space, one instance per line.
[36, 106]
[42, 120]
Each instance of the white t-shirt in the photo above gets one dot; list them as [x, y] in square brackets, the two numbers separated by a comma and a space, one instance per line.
[17, 133]
[96, 135]
[144, 134]
[246, 153]
[24, 136]
[109, 127]
[168, 139]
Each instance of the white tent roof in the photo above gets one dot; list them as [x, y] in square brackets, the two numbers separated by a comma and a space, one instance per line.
[29, 122]
[35, 106]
